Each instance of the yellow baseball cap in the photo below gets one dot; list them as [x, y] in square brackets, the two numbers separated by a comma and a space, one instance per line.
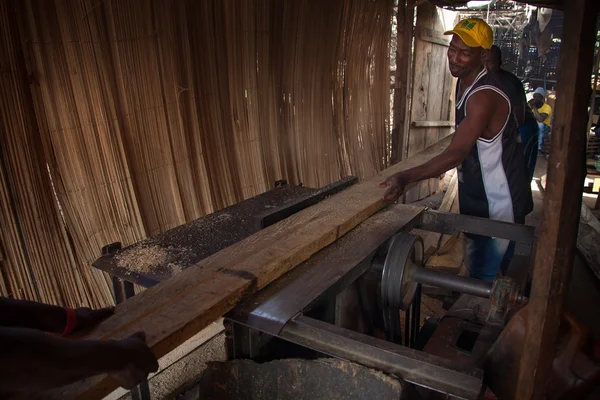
[474, 32]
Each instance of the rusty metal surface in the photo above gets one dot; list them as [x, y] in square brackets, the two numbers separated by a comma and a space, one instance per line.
[463, 334]
[504, 299]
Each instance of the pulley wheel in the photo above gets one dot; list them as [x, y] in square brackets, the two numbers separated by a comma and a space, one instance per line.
[405, 253]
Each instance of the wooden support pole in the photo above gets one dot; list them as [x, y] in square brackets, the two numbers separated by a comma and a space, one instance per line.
[405, 24]
[432, 36]
[593, 99]
[555, 247]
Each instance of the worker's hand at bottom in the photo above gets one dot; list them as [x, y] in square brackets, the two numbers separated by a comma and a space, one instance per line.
[129, 377]
[395, 185]
[86, 317]
[139, 360]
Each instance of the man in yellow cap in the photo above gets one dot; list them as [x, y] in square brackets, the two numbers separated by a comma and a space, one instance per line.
[492, 175]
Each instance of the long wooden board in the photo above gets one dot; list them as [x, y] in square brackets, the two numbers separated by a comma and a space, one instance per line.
[174, 310]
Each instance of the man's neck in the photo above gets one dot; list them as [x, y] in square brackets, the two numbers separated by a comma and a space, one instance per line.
[469, 79]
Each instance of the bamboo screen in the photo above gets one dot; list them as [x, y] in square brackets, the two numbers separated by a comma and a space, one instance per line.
[122, 119]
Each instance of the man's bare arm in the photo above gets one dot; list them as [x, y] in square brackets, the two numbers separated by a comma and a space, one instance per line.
[35, 361]
[539, 117]
[46, 317]
[480, 110]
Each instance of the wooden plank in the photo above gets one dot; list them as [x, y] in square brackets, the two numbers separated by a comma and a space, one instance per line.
[447, 93]
[433, 36]
[174, 310]
[424, 189]
[400, 131]
[555, 248]
[447, 109]
[413, 194]
[431, 124]
[449, 260]
[450, 195]
[431, 240]
[420, 89]
[409, 73]
[432, 83]
[437, 75]
[433, 101]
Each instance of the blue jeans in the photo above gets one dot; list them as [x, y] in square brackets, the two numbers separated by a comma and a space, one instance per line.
[485, 256]
[529, 141]
[543, 130]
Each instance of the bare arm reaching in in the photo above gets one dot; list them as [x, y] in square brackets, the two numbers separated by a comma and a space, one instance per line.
[35, 359]
[486, 112]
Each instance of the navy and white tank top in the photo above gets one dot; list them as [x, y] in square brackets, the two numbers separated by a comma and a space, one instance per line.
[492, 180]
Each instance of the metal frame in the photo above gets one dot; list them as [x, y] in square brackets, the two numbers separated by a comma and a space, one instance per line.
[411, 365]
[450, 224]
[270, 313]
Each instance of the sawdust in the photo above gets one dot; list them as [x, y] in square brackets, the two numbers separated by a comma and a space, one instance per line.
[223, 217]
[181, 247]
[150, 257]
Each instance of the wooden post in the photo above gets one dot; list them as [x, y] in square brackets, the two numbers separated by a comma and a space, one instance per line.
[593, 99]
[404, 34]
[562, 203]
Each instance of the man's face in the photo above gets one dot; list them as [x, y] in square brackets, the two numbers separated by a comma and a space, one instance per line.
[492, 63]
[463, 59]
[538, 100]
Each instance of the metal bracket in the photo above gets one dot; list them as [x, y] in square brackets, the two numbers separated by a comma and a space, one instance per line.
[450, 224]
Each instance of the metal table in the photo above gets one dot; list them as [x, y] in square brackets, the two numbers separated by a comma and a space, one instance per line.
[188, 244]
[281, 309]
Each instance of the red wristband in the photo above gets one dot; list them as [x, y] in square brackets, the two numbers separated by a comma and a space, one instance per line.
[71, 321]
